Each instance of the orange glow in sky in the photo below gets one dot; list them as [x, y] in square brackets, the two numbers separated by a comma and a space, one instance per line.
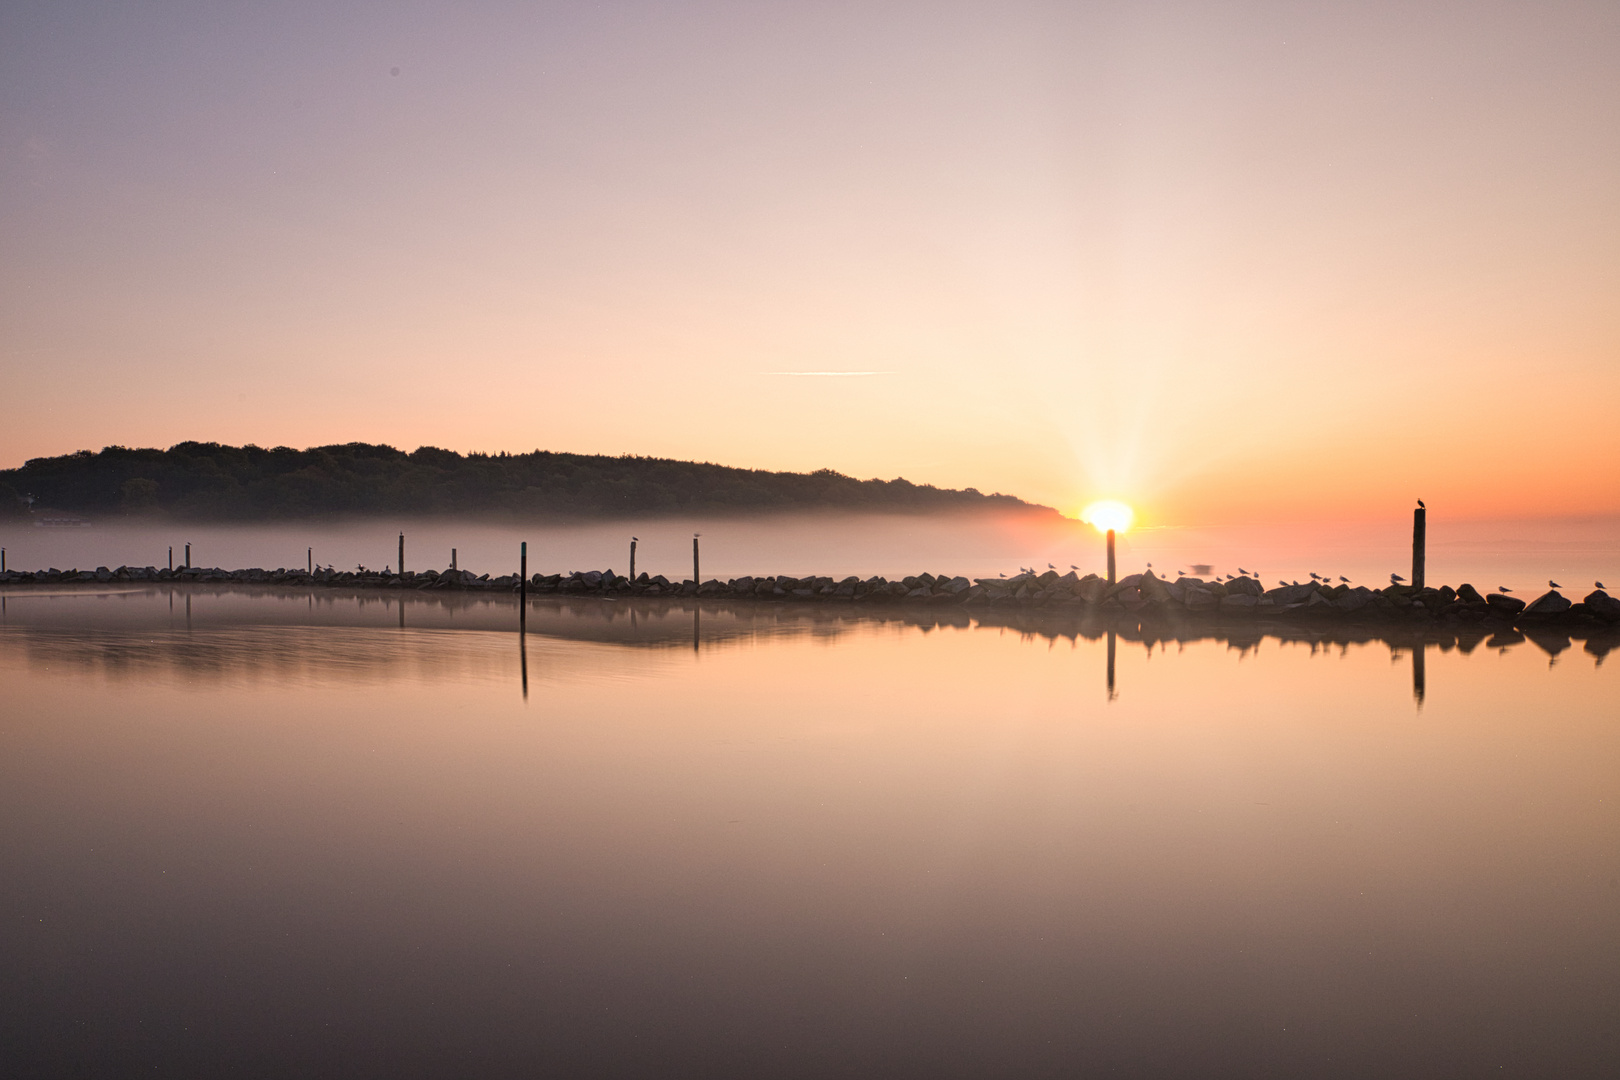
[1267, 261]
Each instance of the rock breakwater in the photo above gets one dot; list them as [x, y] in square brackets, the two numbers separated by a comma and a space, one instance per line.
[1140, 596]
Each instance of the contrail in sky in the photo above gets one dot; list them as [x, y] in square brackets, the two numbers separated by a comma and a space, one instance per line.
[834, 374]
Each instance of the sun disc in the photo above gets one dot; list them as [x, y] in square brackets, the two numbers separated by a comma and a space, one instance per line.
[1108, 514]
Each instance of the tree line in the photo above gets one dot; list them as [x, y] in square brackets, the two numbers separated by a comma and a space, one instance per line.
[200, 480]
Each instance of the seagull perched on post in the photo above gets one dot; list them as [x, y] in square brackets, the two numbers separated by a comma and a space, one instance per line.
[1395, 579]
[1421, 506]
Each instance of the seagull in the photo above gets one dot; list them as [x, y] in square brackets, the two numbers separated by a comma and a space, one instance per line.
[1503, 589]
[1554, 584]
[1344, 579]
[1395, 579]
[1313, 575]
[1049, 566]
[1420, 503]
[1073, 567]
[1599, 584]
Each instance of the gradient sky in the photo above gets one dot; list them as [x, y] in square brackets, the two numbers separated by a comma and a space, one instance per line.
[1221, 260]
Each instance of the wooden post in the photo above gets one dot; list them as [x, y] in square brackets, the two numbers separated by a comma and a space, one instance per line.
[632, 560]
[188, 556]
[309, 558]
[523, 586]
[401, 554]
[696, 578]
[171, 558]
[1110, 556]
[1420, 539]
[2, 560]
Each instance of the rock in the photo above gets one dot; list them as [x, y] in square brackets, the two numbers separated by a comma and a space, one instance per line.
[1504, 604]
[1200, 599]
[1241, 603]
[1290, 594]
[1468, 594]
[1547, 605]
[1602, 605]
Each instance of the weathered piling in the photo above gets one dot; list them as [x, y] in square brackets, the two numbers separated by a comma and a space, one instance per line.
[697, 578]
[632, 558]
[523, 586]
[1420, 539]
[1111, 556]
[171, 557]
[188, 556]
[309, 558]
[452, 558]
[401, 564]
[2, 560]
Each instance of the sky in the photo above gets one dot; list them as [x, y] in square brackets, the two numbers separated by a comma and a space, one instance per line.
[1223, 261]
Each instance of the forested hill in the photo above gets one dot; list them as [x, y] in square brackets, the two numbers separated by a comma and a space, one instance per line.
[211, 481]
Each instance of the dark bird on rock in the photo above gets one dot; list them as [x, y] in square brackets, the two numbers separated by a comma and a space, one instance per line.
[1073, 567]
[1554, 584]
[1599, 584]
[1395, 579]
[1503, 589]
[1049, 566]
[1344, 579]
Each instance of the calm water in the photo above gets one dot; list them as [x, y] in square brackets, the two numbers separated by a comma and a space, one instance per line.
[283, 834]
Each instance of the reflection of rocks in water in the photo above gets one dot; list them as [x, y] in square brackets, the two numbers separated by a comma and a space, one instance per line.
[235, 632]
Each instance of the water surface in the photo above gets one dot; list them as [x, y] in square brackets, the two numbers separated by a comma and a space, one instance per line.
[291, 833]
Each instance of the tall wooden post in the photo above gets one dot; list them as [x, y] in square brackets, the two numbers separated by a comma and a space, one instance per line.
[1420, 540]
[171, 558]
[401, 554]
[452, 558]
[2, 560]
[1110, 556]
[696, 578]
[632, 560]
[309, 559]
[523, 586]
[188, 556]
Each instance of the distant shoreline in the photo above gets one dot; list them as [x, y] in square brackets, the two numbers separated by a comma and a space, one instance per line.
[1142, 597]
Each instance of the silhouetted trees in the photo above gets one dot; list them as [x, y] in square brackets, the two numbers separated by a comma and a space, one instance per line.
[212, 481]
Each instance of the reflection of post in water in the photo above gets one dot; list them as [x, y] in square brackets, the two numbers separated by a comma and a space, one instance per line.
[188, 612]
[1418, 681]
[1111, 648]
[523, 661]
[401, 601]
[695, 628]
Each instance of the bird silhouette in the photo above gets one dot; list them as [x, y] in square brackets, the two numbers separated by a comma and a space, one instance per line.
[1073, 567]
[1049, 566]
[1599, 584]
[1554, 584]
[1420, 503]
[1503, 589]
[1344, 579]
[1313, 575]
[1395, 579]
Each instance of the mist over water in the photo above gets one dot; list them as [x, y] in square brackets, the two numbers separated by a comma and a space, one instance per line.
[1522, 555]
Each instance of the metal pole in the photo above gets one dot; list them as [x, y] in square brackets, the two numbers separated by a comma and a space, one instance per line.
[1420, 539]
[1110, 556]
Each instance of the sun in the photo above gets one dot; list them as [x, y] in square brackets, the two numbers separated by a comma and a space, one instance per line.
[1108, 514]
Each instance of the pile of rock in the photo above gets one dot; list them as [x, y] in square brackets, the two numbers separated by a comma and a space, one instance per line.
[1139, 595]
